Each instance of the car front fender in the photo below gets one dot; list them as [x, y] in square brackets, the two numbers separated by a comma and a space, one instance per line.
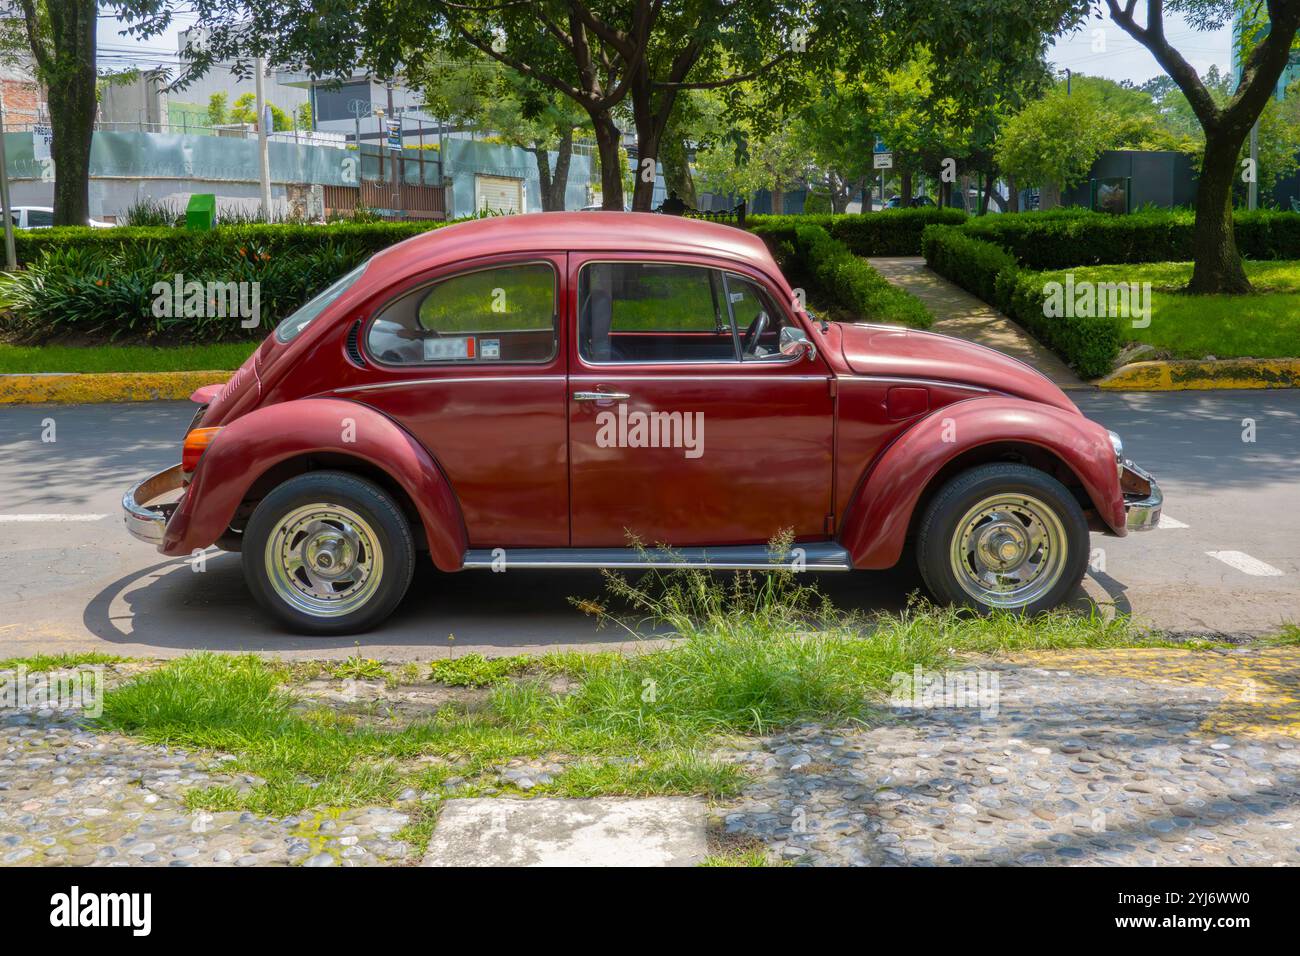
[254, 443]
[877, 522]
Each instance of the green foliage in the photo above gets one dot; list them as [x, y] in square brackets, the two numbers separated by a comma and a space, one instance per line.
[1089, 344]
[809, 255]
[153, 212]
[1055, 140]
[99, 282]
[218, 110]
[1060, 238]
[891, 232]
[475, 670]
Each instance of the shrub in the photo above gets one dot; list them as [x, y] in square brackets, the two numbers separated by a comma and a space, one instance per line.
[1067, 237]
[891, 232]
[106, 290]
[841, 278]
[1089, 344]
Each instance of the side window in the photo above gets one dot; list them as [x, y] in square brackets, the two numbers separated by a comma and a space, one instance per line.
[758, 323]
[39, 218]
[501, 314]
[653, 312]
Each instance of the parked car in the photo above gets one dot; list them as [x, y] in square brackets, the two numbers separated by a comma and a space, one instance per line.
[916, 202]
[42, 217]
[528, 392]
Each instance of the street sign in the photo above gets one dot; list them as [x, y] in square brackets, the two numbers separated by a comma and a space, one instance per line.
[883, 161]
[395, 134]
[880, 146]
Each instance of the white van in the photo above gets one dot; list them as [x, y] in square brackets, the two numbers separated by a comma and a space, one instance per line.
[42, 217]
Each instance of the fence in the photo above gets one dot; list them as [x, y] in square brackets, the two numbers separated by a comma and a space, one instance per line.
[406, 202]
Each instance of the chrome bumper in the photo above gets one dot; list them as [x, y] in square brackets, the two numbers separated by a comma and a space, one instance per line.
[1142, 497]
[145, 521]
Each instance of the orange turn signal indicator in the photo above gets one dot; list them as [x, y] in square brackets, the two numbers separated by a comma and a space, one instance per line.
[196, 443]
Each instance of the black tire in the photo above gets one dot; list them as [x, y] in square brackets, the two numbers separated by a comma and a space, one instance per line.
[954, 502]
[385, 527]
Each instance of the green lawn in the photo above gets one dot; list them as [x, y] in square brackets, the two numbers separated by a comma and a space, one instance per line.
[1263, 325]
[123, 358]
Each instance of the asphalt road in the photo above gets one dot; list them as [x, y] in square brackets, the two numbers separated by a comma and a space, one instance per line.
[75, 581]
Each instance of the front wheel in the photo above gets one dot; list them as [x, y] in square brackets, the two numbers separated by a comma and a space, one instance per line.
[328, 553]
[1003, 537]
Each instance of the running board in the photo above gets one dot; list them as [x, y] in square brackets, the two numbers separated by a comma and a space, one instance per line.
[810, 557]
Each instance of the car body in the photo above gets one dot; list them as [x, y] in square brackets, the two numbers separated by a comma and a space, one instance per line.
[542, 391]
[42, 217]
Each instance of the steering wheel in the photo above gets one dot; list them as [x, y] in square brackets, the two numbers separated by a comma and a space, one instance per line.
[755, 332]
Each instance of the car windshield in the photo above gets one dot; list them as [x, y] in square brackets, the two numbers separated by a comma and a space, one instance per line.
[287, 330]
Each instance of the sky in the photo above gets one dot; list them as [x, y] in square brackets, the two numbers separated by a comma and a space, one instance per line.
[1115, 55]
[1112, 53]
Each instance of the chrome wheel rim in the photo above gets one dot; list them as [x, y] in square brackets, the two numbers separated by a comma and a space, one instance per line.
[324, 560]
[1008, 551]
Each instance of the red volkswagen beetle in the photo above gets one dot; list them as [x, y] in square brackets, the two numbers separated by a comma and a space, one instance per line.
[530, 392]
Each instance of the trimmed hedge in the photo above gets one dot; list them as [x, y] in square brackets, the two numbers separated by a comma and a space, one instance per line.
[890, 232]
[220, 244]
[1089, 344]
[807, 253]
[1062, 238]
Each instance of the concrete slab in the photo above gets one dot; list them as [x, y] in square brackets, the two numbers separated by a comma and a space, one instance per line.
[654, 831]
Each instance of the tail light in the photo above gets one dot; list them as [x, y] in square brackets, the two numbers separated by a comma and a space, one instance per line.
[196, 443]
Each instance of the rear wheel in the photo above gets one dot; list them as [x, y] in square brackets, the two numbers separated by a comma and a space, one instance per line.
[328, 553]
[1003, 537]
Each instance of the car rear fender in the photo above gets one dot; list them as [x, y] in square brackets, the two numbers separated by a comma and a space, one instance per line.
[255, 443]
[881, 512]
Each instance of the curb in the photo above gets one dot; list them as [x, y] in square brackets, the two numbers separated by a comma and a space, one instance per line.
[76, 388]
[1179, 375]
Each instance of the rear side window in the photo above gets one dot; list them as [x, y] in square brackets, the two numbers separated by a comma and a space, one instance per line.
[39, 218]
[502, 314]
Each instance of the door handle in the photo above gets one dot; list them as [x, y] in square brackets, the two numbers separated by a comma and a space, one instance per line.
[601, 396]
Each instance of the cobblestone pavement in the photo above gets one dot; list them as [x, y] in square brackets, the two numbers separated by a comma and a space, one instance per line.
[1137, 757]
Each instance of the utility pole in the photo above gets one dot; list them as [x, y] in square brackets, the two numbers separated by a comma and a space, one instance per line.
[11, 257]
[263, 152]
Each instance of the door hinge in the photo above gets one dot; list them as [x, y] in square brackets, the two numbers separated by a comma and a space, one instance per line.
[830, 524]
[833, 383]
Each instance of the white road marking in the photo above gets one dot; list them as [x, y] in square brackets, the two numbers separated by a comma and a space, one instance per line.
[23, 519]
[1246, 564]
[1170, 523]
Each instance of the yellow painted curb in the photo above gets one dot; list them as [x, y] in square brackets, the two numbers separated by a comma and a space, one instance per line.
[76, 388]
[1173, 376]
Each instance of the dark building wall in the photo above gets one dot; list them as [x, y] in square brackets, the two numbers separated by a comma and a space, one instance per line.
[1160, 178]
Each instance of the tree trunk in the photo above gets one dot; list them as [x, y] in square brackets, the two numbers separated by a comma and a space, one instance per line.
[72, 108]
[647, 159]
[677, 168]
[554, 185]
[1013, 195]
[1218, 265]
[611, 166]
[1049, 196]
[907, 187]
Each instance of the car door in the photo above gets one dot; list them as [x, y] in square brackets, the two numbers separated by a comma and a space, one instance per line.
[687, 427]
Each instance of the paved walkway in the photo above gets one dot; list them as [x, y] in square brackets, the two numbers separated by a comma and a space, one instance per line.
[1104, 758]
[962, 315]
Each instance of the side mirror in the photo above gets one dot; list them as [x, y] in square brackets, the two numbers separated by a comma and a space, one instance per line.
[794, 342]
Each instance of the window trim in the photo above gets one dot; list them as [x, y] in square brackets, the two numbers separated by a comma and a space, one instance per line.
[719, 268]
[476, 362]
[577, 316]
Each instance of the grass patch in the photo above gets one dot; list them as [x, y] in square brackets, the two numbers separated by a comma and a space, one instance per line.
[19, 359]
[1265, 324]
[475, 670]
[57, 662]
[758, 652]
